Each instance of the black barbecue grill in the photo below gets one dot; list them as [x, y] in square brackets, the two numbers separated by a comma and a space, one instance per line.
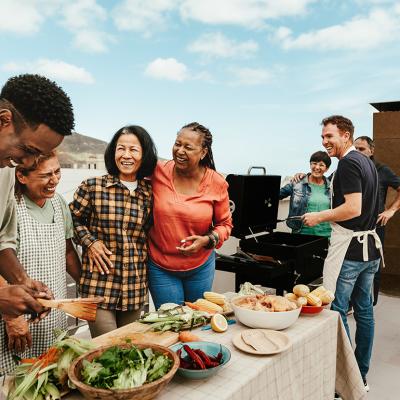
[287, 258]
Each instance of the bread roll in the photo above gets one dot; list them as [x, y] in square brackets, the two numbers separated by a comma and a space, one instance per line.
[320, 290]
[313, 300]
[301, 290]
[291, 296]
[327, 297]
[301, 301]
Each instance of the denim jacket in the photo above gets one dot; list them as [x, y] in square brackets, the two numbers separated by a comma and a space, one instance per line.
[299, 194]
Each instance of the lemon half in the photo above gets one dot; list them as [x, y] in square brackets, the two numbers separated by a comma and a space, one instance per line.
[219, 323]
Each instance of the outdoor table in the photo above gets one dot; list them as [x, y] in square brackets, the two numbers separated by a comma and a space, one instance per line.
[319, 360]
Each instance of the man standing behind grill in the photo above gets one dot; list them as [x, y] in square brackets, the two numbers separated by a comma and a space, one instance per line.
[386, 178]
[355, 248]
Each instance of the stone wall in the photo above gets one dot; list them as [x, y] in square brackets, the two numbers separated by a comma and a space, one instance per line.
[386, 127]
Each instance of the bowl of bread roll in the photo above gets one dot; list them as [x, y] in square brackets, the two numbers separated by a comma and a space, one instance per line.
[265, 311]
[311, 302]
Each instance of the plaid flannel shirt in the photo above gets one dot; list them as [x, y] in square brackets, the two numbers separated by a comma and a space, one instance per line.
[104, 209]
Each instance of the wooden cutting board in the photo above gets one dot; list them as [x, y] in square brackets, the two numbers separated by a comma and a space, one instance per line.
[136, 332]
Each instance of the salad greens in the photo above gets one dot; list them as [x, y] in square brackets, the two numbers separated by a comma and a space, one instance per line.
[45, 377]
[173, 317]
[119, 368]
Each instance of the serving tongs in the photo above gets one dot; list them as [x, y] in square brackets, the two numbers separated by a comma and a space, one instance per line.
[294, 218]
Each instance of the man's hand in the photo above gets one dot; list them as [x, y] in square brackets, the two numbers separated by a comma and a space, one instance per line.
[16, 300]
[99, 256]
[298, 177]
[384, 217]
[312, 219]
[40, 287]
[19, 337]
[192, 244]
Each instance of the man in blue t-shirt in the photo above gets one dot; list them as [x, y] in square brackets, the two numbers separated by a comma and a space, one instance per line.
[354, 251]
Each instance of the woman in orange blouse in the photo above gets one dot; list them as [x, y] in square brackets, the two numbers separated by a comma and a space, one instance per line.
[112, 215]
[191, 217]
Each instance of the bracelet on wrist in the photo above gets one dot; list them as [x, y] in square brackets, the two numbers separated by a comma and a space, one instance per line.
[212, 243]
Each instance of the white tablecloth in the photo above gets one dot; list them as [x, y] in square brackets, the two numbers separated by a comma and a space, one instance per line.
[319, 360]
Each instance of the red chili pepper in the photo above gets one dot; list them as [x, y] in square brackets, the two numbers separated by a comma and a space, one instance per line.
[194, 356]
[185, 364]
[219, 357]
[206, 358]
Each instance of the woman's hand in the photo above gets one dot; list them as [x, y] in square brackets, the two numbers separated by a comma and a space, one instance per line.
[192, 244]
[19, 337]
[98, 256]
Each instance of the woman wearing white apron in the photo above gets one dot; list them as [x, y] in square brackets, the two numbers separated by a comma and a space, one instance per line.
[355, 249]
[46, 252]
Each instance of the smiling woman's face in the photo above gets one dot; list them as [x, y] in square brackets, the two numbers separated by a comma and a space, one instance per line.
[41, 183]
[188, 149]
[318, 168]
[128, 156]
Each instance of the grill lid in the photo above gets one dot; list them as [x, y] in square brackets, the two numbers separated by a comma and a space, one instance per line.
[254, 203]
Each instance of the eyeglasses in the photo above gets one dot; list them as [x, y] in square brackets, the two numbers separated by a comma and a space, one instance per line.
[318, 164]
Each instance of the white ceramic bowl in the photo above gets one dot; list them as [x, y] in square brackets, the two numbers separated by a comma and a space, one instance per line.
[264, 319]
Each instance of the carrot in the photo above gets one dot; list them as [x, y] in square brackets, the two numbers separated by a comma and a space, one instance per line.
[186, 336]
[28, 360]
[49, 357]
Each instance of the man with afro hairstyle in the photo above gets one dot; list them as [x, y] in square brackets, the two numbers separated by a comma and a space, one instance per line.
[35, 115]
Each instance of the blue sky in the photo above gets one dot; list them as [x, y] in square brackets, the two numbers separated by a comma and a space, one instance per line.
[261, 74]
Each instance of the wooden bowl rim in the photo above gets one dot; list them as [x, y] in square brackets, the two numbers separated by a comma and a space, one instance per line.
[79, 384]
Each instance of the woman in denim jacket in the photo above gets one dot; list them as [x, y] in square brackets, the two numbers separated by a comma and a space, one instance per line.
[311, 193]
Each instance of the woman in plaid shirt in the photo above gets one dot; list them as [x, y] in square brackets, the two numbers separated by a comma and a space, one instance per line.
[111, 215]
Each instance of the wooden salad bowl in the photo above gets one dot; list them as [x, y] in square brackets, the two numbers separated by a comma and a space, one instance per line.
[145, 392]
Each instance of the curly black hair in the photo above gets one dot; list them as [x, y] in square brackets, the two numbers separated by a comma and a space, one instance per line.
[40, 101]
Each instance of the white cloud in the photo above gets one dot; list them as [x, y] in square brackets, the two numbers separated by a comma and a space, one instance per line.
[79, 14]
[252, 76]
[22, 17]
[143, 15]
[83, 18]
[249, 13]
[377, 28]
[218, 45]
[148, 16]
[93, 41]
[167, 68]
[54, 69]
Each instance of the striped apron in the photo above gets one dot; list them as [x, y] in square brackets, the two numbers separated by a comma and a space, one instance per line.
[42, 253]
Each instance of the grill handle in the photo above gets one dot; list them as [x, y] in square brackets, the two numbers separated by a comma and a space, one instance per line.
[254, 167]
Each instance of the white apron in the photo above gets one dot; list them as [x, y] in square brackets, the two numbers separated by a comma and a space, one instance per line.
[340, 242]
[42, 254]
